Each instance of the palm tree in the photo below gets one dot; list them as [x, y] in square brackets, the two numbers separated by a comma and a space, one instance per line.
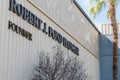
[96, 9]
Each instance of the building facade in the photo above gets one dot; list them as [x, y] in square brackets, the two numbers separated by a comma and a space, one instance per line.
[106, 57]
[107, 29]
[106, 52]
[28, 27]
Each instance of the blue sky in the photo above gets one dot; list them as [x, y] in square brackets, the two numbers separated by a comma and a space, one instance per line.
[101, 18]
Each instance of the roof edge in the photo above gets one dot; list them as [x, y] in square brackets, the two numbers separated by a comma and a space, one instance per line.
[78, 6]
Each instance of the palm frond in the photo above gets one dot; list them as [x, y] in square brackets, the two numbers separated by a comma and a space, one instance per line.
[100, 5]
[116, 2]
[93, 1]
[97, 8]
[108, 14]
[92, 11]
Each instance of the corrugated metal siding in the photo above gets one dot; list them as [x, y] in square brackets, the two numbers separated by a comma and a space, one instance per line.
[18, 55]
[15, 50]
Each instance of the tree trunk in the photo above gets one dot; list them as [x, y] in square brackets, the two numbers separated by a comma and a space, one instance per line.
[115, 39]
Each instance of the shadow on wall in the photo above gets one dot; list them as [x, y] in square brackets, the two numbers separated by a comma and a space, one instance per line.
[106, 57]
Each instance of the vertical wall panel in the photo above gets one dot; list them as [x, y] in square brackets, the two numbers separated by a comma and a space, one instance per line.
[107, 28]
[18, 55]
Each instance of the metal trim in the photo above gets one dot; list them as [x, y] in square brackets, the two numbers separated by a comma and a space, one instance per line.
[78, 6]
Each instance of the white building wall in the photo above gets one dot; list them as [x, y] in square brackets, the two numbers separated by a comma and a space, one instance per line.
[107, 28]
[18, 55]
[69, 17]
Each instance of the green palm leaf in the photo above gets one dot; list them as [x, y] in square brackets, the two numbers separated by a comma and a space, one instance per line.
[97, 8]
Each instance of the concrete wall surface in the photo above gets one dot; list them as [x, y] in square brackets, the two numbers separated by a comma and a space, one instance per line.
[70, 18]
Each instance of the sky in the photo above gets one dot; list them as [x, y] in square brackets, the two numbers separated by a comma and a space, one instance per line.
[101, 18]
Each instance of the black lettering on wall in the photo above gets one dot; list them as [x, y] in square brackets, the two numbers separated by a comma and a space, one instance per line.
[32, 19]
[50, 32]
[19, 9]
[55, 35]
[24, 15]
[19, 30]
[10, 25]
[77, 51]
[12, 6]
[44, 28]
[64, 42]
[59, 38]
[30, 36]
[39, 23]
